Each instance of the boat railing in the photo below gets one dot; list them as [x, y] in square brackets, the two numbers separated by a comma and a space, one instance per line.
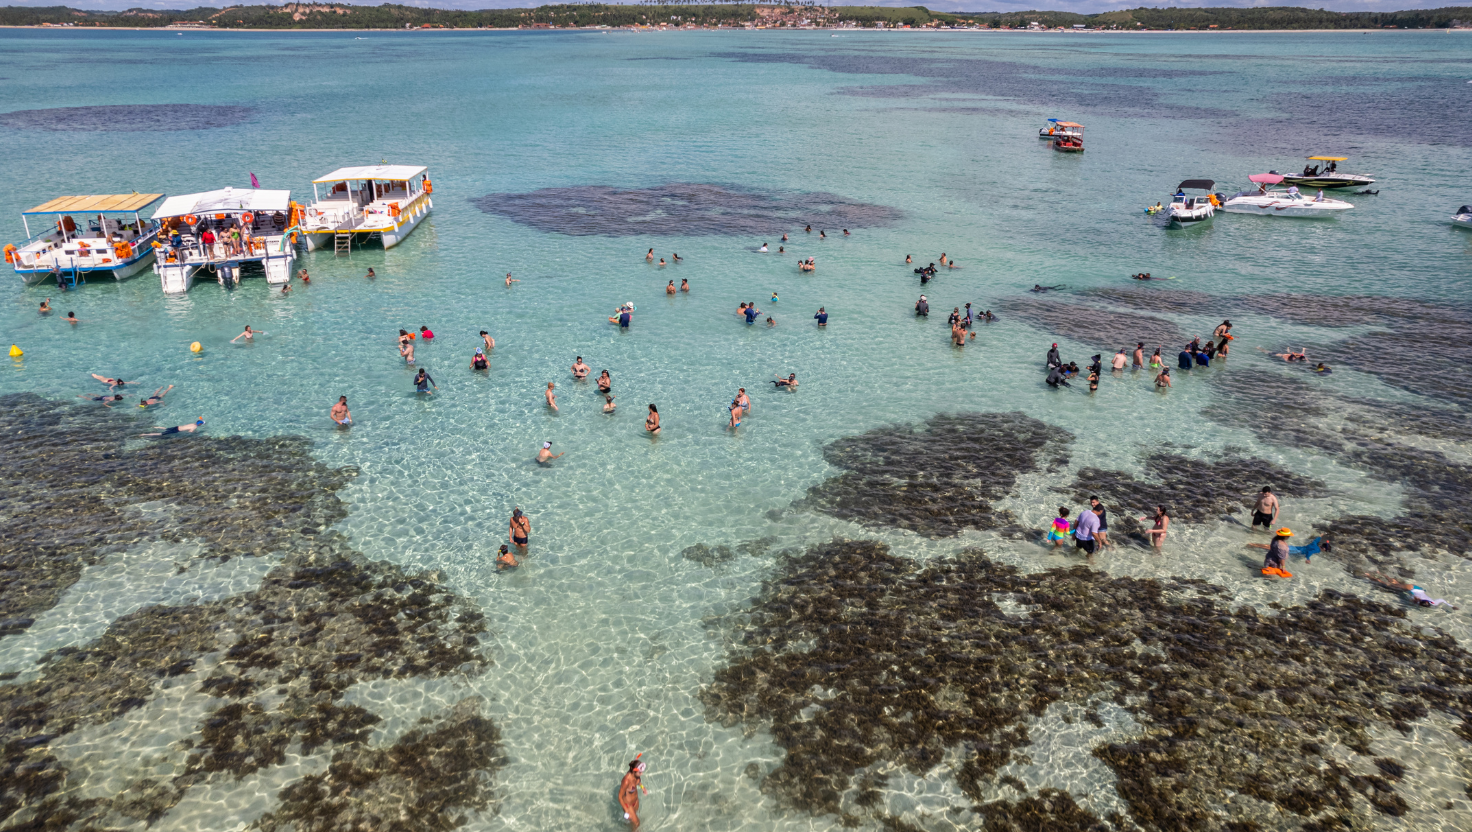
[96, 254]
[193, 252]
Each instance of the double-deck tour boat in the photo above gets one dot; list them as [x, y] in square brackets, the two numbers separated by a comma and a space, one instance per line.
[89, 235]
[362, 204]
[1329, 176]
[1277, 203]
[221, 233]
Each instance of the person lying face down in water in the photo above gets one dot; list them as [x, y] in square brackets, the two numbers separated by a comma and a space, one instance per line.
[198, 423]
[1417, 595]
[1038, 288]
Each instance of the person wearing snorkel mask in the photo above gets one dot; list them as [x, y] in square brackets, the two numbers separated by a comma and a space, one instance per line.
[628, 792]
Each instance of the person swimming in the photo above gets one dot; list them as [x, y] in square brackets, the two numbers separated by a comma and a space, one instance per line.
[1039, 288]
[156, 398]
[198, 423]
[790, 382]
[107, 401]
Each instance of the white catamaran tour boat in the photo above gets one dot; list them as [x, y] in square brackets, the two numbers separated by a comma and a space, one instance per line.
[221, 232]
[1329, 176]
[1193, 210]
[362, 203]
[1275, 203]
[103, 242]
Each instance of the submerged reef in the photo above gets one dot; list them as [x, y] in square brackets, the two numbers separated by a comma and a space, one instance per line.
[274, 662]
[1372, 437]
[127, 118]
[681, 209]
[939, 478]
[1192, 490]
[1105, 329]
[861, 663]
[1433, 338]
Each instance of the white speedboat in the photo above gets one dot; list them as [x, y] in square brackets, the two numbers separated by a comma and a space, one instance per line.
[1057, 129]
[1279, 203]
[221, 233]
[1329, 177]
[1463, 217]
[104, 243]
[367, 203]
[1195, 210]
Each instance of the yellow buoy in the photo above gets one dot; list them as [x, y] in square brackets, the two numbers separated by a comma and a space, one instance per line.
[196, 347]
[16, 352]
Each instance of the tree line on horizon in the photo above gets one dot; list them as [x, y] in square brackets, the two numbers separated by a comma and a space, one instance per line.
[391, 16]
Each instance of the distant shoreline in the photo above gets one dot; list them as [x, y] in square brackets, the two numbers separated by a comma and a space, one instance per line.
[783, 30]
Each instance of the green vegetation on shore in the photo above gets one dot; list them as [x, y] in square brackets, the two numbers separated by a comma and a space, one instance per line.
[389, 16]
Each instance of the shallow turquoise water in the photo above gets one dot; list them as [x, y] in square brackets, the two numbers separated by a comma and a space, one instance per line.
[600, 640]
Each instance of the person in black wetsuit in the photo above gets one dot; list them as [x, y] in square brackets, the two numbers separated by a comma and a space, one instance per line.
[1054, 360]
[1055, 378]
[922, 307]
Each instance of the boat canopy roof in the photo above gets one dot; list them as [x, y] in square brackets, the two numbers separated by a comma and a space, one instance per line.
[226, 199]
[1265, 178]
[1065, 123]
[101, 204]
[381, 173]
[1328, 158]
[1203, 184]
[1465, 209]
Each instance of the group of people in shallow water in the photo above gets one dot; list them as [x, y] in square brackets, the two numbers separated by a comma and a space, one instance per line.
[1193, 354]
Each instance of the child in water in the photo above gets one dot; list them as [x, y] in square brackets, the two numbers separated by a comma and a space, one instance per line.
[1059, 532]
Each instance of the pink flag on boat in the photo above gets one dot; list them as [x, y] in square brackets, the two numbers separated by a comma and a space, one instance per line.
[253, 182]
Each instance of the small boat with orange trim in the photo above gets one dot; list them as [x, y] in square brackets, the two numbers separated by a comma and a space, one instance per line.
[222, 233]
[88, 235]
[1056, 128]
[367, 203]
[1071, 139]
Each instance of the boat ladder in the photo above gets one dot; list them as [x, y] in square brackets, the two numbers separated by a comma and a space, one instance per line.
[342, 244]
[70, 278]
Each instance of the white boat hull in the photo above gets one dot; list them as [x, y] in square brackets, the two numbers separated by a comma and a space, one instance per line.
[1464, 220]
[391, 236]
[1287, 209]
[176, 278]
[121, 271]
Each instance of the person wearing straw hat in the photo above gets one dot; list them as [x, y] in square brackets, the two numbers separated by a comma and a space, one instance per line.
[1277, 554]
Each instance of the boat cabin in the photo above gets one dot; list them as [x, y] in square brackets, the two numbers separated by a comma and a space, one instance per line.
[357, 204]
[81, 235]
[219, 231]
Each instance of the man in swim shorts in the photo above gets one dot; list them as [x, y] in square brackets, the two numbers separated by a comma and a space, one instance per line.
[545, 455]
[1139, 358]
[340, 412]
[521, 529]
[1265, 513]
[790, 382]
[1085, 530]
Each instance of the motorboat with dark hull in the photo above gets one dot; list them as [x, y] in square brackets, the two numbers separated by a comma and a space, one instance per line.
[1192, 210]
[1329, 177]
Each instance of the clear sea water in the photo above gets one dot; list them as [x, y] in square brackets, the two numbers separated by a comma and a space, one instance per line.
[601, 641]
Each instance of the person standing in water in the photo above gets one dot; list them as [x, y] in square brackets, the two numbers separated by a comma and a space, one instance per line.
[1265, 512]
[521, 530]
[579, 369]
[821, 316]
[487, 340]
[46, 307]
[340, 412]
[1158, 531]
[551, 397]
[651, 422]
[545, 455]
[422, 383]
[684, 285]
[628, 793]
[1139, 359]
[670, 289]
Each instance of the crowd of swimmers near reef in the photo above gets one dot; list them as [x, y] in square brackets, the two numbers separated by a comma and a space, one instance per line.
[1088, 531]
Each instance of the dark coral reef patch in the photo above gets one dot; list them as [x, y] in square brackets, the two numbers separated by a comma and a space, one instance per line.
[681, 208]
[127, 118]
[276, 660]
[856, 659]
[939, 478]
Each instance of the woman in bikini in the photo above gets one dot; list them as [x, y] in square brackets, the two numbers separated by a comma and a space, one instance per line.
[1162, 525]
[651, 422]
[628, 792]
